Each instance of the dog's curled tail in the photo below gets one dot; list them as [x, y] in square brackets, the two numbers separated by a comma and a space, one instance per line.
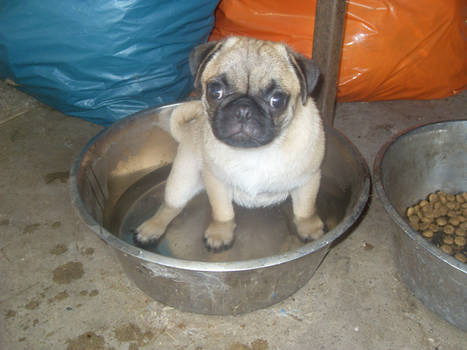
[184, 115]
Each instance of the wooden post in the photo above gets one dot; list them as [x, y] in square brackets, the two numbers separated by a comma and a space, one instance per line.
[327, 47]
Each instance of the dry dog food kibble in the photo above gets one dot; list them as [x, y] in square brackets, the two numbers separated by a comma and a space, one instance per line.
[441, 219]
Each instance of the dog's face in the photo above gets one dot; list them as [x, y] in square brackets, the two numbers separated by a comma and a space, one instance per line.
[250, 88]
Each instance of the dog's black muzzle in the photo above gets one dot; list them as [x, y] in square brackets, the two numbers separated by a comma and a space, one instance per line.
[243, 122]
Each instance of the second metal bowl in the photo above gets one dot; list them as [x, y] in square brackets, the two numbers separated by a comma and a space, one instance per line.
[415, 163]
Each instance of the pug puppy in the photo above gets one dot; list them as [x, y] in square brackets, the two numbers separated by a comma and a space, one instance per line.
[254, 137]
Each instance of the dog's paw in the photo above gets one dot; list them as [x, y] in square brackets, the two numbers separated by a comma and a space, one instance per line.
[309, 229]
[153, 228]
[149, 231]
[219, 235]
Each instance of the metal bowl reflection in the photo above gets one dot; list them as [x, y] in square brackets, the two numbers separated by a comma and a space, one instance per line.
[119, 180]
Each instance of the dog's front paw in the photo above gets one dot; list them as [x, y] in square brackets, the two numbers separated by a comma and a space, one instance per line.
[219, 235]
[309, 229]
[153, 228]
[150, 230]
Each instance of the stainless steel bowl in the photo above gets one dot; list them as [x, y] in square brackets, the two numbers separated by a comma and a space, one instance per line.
[119, 179]
[415, 163]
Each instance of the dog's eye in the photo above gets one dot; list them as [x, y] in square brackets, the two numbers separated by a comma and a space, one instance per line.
[215, 90]
[278, 100]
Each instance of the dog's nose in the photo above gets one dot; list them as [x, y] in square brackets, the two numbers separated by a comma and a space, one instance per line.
[243, 112]
[244, 108]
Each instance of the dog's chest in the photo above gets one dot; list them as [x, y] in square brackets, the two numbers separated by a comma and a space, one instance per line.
[260, 172]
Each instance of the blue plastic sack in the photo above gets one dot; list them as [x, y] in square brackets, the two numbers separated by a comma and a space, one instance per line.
[102, 60]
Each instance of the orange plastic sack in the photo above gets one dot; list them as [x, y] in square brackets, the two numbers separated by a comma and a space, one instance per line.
[398, 49]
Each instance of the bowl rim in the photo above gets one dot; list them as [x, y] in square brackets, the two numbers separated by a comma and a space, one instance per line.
[203, 266]
[389, 207]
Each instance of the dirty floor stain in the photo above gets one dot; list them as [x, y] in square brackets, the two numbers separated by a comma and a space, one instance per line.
[56, 224]
[258, 344]
[33, 304]
[10, 314]
[60, 296]
[58, 249]
[61, 176]
[68, 272]
[132, 333]
[88, 341]
[31, 228]
[88, 251]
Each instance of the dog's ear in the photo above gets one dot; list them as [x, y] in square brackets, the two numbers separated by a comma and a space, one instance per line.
[307, 72]
[199, 57]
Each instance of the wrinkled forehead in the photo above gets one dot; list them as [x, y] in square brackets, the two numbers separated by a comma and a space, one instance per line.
[248, 63]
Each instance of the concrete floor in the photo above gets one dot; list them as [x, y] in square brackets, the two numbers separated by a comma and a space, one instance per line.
[63, 288]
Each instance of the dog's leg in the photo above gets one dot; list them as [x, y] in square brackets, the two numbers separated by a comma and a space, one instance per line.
[308, 223]
[183, 183]
[220, 232]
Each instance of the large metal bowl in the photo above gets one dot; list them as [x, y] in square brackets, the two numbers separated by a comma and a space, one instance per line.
[119, 179]
[415, 163]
